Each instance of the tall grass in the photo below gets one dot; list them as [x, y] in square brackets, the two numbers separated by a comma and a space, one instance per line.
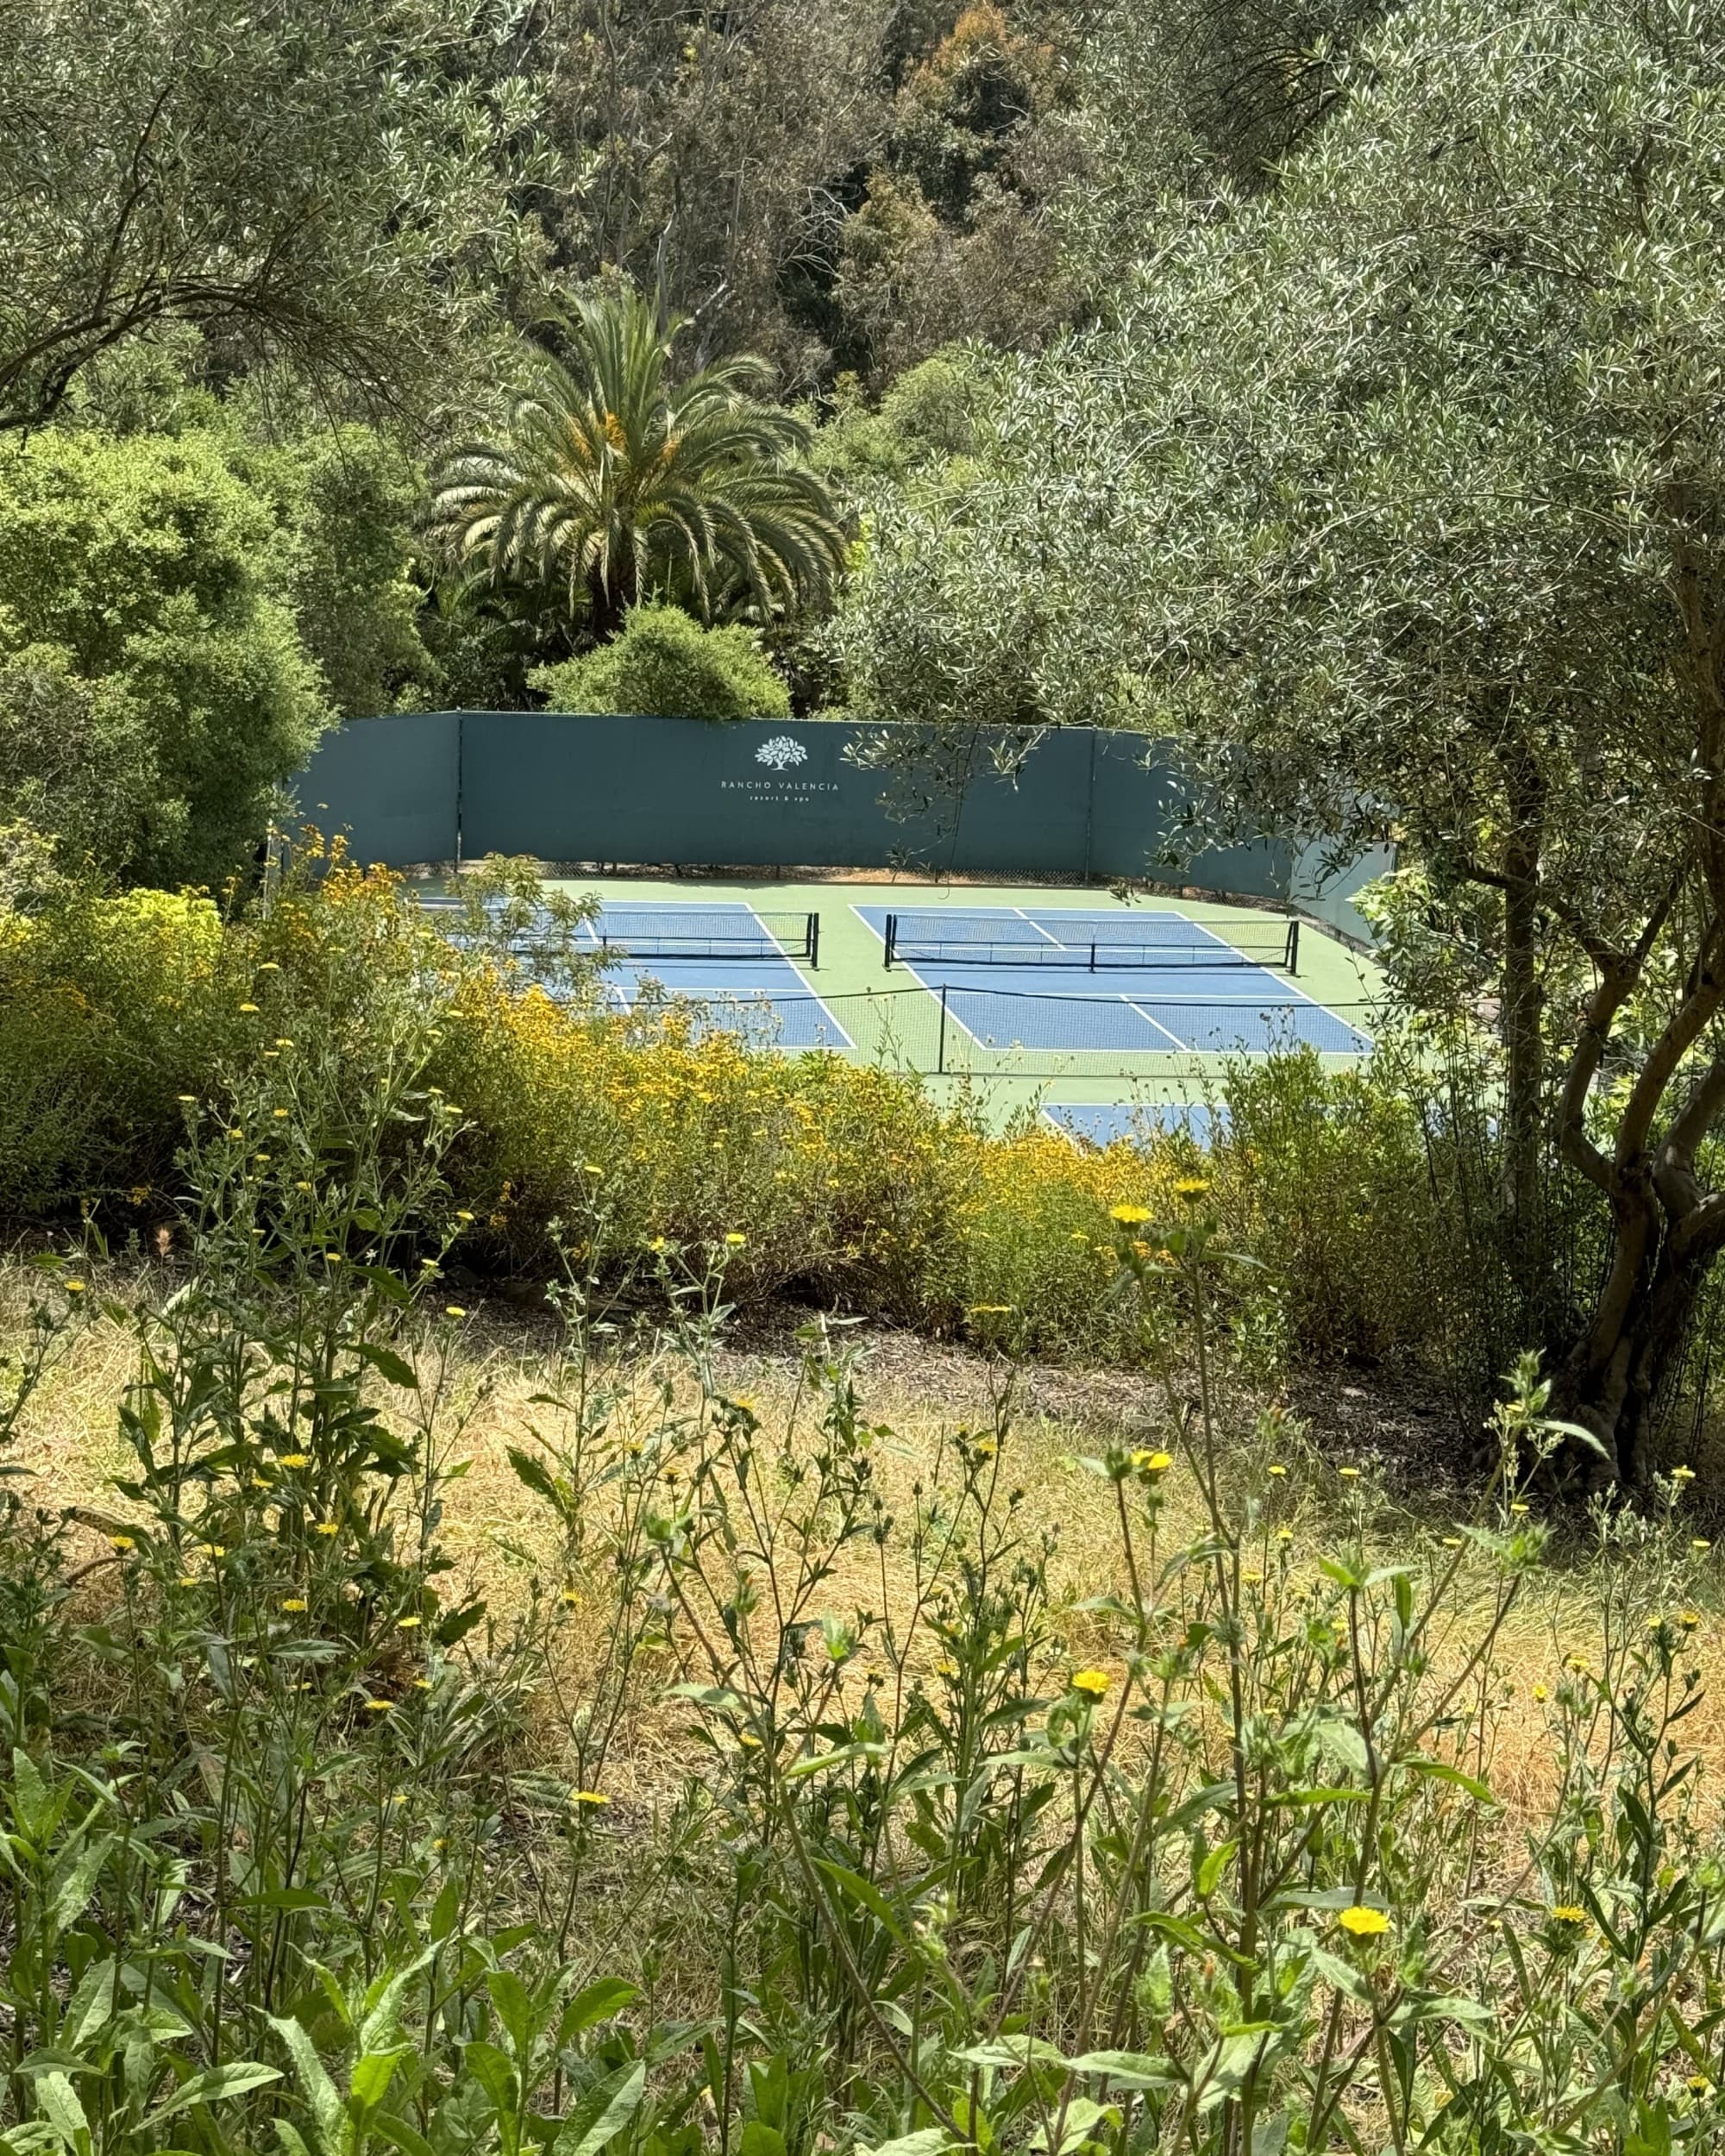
[311, 1845]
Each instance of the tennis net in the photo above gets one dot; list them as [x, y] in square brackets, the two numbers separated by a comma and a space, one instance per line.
[694, 932]
[931, 939]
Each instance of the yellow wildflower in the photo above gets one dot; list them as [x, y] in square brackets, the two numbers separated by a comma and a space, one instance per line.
[454, 1310]
[1362, 1922]
[294, 1603]
[121, 1543]
[1129, 1216]
[1093, 1683]
[589, 1797]
[1568, 1913]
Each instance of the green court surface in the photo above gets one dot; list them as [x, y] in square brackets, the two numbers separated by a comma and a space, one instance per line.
[1029, 1047]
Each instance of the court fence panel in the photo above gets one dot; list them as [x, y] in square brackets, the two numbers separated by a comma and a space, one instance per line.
[609, 792]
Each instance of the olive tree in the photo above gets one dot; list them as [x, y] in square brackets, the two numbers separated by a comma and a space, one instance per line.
[1396, 494]
[322, 181]
[1437, 525]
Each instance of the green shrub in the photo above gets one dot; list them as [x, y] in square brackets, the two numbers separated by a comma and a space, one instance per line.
[665, 664]
[154, 690]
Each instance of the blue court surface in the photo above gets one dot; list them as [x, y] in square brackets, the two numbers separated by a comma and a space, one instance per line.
[1160, 982]
[1135, 1123]
[725, 957]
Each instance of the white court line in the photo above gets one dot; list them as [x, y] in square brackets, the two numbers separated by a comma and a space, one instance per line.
[845, 1039]
[1037, 925]
[1159, 1026]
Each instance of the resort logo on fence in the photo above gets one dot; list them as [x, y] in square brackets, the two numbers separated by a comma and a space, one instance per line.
[780, 753]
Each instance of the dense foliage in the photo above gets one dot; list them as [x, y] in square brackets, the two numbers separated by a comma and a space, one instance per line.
[664, 663]
[180, 616]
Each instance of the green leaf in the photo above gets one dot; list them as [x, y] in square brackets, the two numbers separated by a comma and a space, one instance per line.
[389, 1364]
[513, 2004]
[857, 1889]
[319, 2091]
[459, 1623]
[495, 2072]
[57, 2101]
[607, 2110]
[1129, 2069]
[600, 2002]
[31, 1803]
[1442, 1771]
[211, 2087]
[371, 2077]
[929, 2142]
[1210, 1871]
[399, 2134]
[386, 1283]
[535, 1474]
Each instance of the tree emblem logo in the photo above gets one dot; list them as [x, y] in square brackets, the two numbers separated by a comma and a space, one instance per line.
[782, 752]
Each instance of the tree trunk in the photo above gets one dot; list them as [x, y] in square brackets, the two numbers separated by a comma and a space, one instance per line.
[1666, 1229]
[1621, 1369]
[1523, 1078]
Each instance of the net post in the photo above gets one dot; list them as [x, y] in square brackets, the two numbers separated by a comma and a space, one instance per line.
[940, 1050]
[1294, 946]
[892, 938]
[814, 941]
[1093, 954]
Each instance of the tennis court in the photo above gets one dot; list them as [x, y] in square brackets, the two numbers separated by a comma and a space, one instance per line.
[1100, 983]
[1102, 1123]
[1114, 1019]
[739, 966]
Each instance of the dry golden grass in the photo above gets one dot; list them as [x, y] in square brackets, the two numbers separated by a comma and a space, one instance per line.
[500, 1534]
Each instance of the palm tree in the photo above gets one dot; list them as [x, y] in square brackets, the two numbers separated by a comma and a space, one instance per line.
[615, 482]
